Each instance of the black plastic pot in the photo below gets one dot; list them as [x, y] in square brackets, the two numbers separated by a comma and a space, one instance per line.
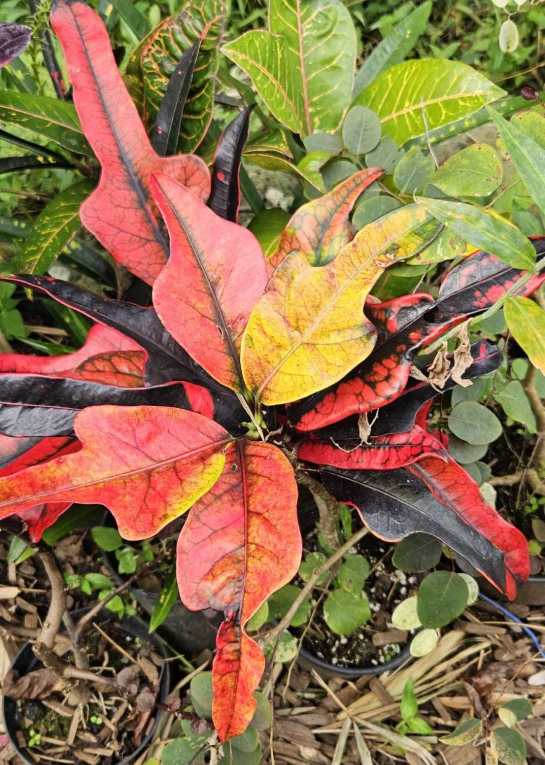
[532, 592]
[328, 670]
[26, 662]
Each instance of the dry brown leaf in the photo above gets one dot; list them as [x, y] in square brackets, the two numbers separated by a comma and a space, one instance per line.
[35, 685]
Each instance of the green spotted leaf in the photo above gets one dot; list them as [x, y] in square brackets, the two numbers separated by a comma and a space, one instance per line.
[53, 230]
[485, 230]
[417, 96]
[155, 59]
[303, 66]
[48, 118]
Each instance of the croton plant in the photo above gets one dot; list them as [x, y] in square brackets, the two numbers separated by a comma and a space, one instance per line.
[243, 375]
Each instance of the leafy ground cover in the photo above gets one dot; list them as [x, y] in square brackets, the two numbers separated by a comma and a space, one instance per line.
[272, 285]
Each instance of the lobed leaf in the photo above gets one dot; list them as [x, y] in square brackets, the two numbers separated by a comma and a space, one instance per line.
[320, 228]
[148, 465]
[308, 330]
[224, 274]
[120, 212]
[229, 560]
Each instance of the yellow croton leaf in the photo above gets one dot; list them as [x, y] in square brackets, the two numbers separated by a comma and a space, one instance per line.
[309, 330]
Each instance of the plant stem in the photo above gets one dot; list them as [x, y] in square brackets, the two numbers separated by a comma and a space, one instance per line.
[57, 604]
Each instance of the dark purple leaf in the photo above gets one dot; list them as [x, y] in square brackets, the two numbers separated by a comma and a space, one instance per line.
[14, 38]
[225, 196]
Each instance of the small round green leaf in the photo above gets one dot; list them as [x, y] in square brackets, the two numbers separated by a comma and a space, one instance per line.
[417, 552]
[262, 719]
[311, 563]
[472, 588]
[424, 642]
[414, 171]
[200, 690]
[464, 733]
[509, 36]
[474, 423]
[106, 537]
[465, 453]
[344, 612]
[247, 741]
[361, 130]
[521, 708]
[442, 596]
[373, 208]
[386, 155]
[475, 171]
[510, 746]
[260, 618]
[353, 573]
[405, 615]
[281, 600]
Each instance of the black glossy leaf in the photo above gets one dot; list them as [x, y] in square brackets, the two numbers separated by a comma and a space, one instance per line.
[225, 196]
[166, 130]
[31, 405]
[167, 361]
[395, 504]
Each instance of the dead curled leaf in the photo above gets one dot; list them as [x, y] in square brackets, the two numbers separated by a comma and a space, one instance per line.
[34, 685]
[462, 357]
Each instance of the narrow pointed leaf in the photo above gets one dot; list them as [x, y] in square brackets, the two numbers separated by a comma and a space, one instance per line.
[394, 47]
[527, 155]
[152, 64]
[148, 465]
[229, 560]
[454, 488]
[397, 503]
[225, 196]
[308, 330]
[14, 38]
[120, 212]
[15, 164]
[485, 229]
[45, 406]
[46, 117]
[526, 322]
[53, 230]
[321, 228]
[166, 130]
[303, 66]
[215, 274]
[479, 281]
[417, 96]
[380, 453]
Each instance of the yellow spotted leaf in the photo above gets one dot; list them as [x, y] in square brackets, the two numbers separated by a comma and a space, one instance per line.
[526, 322]
[309, 330]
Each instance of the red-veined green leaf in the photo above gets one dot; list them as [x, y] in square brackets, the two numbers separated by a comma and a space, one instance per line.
[214, 276]
[240, 543]
[148, 465]
[120, 212]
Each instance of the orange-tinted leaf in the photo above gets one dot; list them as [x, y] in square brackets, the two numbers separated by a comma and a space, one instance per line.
[240, 543]
[308, 330]
[148, 465]
[100, 339]
[120, 212]
[125, 369]
[320, 228]
[214, 276]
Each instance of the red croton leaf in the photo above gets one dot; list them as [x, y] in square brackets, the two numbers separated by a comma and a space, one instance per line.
[321, 228]
[107, 357]
[380, 453]
[19, 453]
[120, 212]
[240, 543]
[454, 488]
[147, 464]
[215, 274]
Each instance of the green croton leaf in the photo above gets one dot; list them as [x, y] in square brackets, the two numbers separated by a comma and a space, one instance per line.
[156, 58]
[484, 229]
[47, 118]
[475, 171]
[417, 96]
[53, 230]
[303, 66]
